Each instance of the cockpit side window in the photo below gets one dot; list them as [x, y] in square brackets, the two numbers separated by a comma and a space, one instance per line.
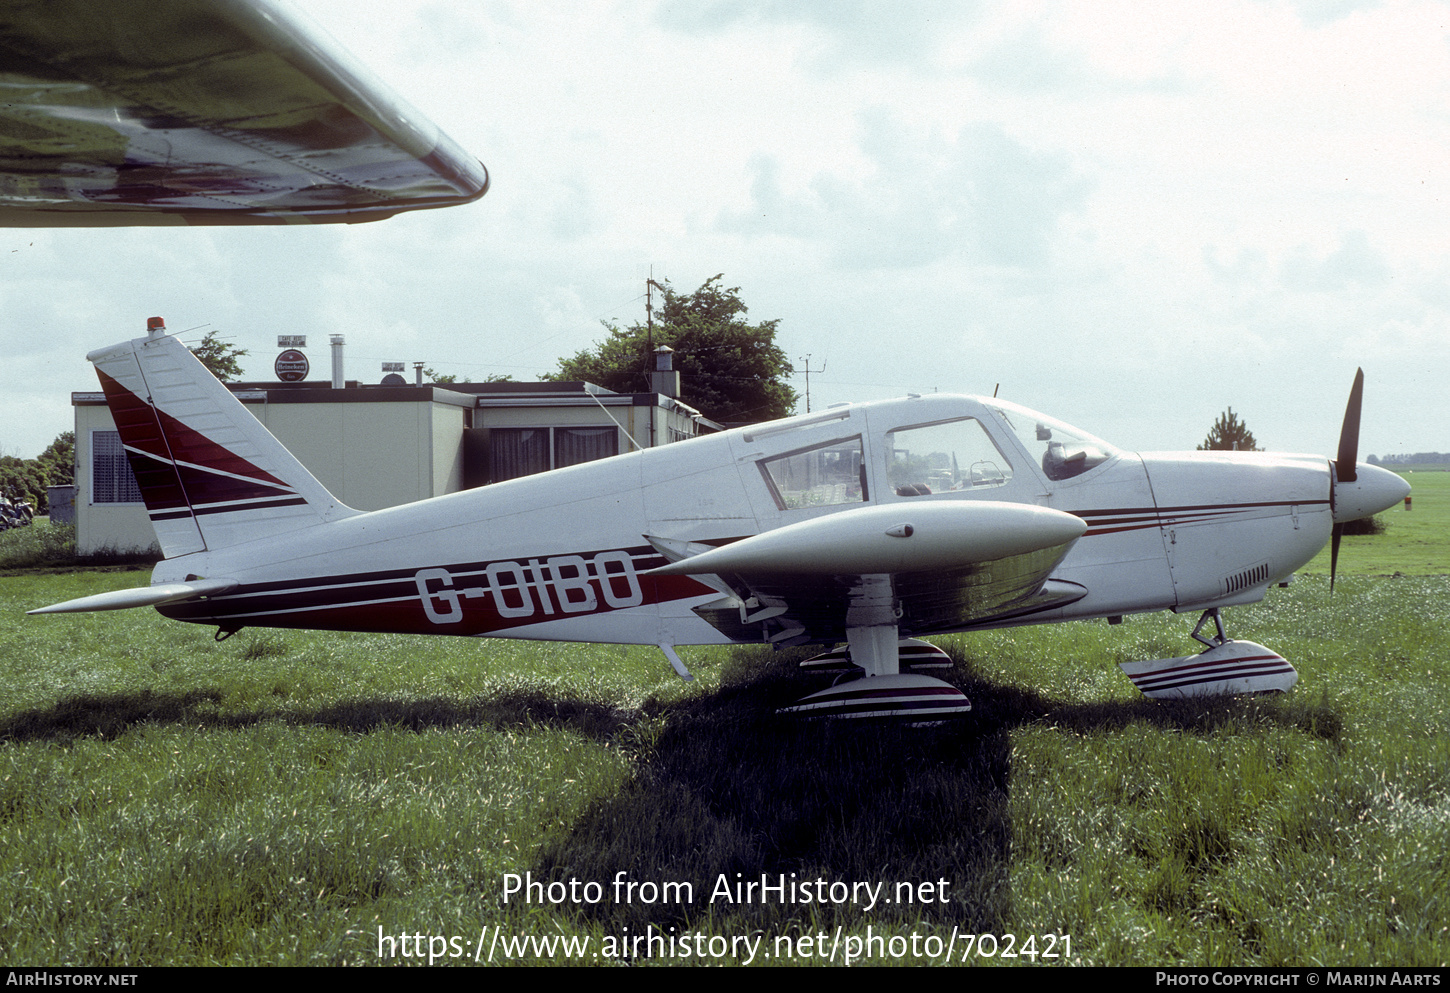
[944, 457]
[823, 475]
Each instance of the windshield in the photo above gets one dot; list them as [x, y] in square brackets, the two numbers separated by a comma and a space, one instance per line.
[1062, 449]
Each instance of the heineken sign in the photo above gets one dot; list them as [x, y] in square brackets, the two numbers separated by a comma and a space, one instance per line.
[291, 366]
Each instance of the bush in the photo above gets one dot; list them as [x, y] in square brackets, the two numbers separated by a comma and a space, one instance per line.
[1366, 525]
[40, 544]
[44, 545]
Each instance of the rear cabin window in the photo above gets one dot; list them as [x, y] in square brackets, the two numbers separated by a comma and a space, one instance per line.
[944, 457]
[822, 476]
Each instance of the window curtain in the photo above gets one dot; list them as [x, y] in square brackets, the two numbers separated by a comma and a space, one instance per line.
[515, 452]
[575, 445]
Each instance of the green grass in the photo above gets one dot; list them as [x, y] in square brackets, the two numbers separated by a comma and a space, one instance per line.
[281, 796]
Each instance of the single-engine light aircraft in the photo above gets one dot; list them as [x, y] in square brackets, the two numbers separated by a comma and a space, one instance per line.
[866, 524]
[870, 524]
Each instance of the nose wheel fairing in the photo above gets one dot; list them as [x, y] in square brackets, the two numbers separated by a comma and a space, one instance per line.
[1225, 667]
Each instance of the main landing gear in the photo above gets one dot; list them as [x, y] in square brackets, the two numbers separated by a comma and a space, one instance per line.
[871, 683]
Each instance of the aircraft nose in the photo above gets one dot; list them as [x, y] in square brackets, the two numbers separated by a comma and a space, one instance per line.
[1372, 490]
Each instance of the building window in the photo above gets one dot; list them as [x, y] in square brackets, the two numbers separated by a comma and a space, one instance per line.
[111, 478]
[515, 452]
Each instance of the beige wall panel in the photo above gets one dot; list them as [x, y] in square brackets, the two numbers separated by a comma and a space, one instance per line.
[543, 417]
[447, 450]
[384, 462]
[310, 431]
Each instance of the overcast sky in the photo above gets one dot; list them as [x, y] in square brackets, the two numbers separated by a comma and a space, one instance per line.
[1128, 215]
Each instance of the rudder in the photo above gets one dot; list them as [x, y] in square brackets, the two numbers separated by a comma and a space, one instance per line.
[210, 474]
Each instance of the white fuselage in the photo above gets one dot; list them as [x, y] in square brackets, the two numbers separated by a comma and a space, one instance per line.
[564, 555]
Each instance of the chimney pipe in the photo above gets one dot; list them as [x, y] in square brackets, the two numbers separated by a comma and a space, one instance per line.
[665, 380]
[338, 380]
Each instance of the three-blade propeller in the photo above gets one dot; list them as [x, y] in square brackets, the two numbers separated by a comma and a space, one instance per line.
[1344, 462]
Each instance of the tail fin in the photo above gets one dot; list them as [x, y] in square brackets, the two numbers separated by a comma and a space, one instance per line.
[211, 475]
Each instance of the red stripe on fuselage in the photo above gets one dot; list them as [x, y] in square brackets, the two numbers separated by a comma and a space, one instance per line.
[474, 603]
[1121, 519]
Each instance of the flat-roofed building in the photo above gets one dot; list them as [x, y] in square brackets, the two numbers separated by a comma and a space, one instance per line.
[380, 446]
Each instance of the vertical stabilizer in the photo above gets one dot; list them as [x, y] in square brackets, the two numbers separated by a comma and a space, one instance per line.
[211, 475]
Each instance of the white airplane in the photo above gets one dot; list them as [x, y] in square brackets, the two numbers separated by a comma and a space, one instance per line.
[867, 524]
[870, 524]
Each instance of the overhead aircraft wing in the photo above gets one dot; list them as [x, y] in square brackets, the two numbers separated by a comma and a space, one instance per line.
[930, 566]
[130, 112]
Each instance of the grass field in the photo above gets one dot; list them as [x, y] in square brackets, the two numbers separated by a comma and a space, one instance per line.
[308, 798]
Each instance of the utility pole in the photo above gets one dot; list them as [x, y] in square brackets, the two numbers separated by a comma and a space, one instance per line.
[806, 361]
[649, 315]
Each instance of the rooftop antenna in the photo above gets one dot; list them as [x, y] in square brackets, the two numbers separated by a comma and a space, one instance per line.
[649, 314]
[806, 361]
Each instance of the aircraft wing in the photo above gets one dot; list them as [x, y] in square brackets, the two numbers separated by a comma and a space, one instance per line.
[130, 112]
[931, 566]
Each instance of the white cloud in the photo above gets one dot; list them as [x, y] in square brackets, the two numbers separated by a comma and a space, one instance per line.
[981, 198]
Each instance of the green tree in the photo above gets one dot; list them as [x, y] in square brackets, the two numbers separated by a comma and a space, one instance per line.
[221, 359]
[23, 479]
[730, 370]
[58, 461]
[442, 379]
[1229, 434]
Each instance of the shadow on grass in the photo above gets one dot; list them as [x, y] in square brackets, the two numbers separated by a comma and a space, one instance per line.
[729, 793]
[108, 716]
[726, 792]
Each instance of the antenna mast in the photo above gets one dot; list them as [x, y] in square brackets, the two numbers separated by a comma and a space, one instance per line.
[806, 361]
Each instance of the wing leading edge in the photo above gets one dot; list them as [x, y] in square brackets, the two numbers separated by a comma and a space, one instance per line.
[130, 112]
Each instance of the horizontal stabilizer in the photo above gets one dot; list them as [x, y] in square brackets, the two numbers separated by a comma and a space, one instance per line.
[144, 596]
